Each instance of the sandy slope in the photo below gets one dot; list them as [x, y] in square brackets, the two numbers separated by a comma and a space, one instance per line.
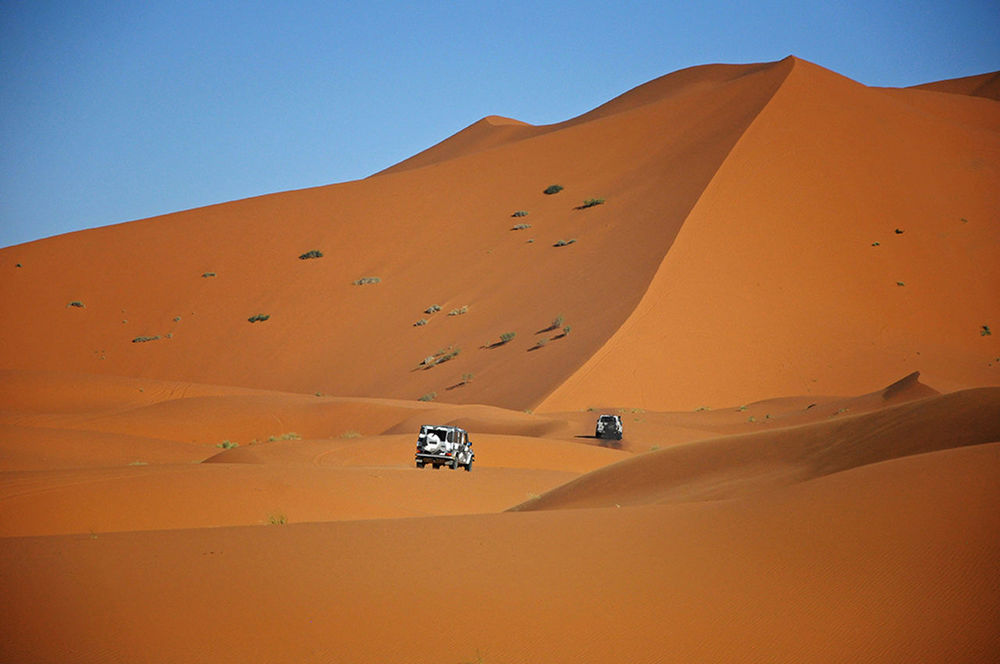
[774, 285]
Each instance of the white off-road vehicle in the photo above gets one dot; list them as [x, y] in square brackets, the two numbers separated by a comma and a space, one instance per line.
[609, 426]
[441, 445]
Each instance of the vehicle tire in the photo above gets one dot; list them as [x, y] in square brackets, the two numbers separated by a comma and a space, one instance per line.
[420, 464]
[454, 464]
[435, 466]
[468, 466]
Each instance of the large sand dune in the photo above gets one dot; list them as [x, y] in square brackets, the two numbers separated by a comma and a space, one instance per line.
[787, 296]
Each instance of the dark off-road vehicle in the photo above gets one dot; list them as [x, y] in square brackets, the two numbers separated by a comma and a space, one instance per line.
[609, 427]
[441, 445]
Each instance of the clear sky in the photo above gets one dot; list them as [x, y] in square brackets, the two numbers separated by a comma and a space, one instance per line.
[113, 111]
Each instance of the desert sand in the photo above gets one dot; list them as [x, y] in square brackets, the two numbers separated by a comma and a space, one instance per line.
[786, 293]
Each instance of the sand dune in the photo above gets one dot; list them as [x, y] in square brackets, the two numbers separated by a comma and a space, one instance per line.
[207, 428]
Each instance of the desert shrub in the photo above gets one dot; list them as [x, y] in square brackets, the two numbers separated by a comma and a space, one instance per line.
[563, 243]
[433, 309]
[291, 435]
[520, 227]
[553, 189]
[277, 519]
[206, 275]
[984, 331]
[876, 244]
[77, 303]
[591, 202]
[464, 309]
[142, 340]
[315, 253]
[557, 321]
[227, 444]
[258, 317]
[566, 330]
[366, 280]
[421, 322]
[507, 337]
[351, 434]
[430, 396]
[900, 283]
[520, 213]
[540, 344]
[177, 319]
[467, 377]
[898, 231]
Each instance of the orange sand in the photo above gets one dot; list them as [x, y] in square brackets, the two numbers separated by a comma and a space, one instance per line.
[810, 469]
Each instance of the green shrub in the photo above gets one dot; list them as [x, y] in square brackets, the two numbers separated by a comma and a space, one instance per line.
[563, 243]
[315, 253]
[77, 303]
[553, 189]
[591, 202]
[430, 396]
[433, 309]
[366, 280]
[206, 275]
[227, 444]
[566, 330]
[258, 317]
[421, 322]
[277, 519]
[291, 435]
[520, 213]
[464, 309]
[507, 337]
[520, 227]
[142, 340]
[984, 331]
[467, 378]
[557, 321]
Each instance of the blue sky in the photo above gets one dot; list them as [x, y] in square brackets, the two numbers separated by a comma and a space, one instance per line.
[113, 111]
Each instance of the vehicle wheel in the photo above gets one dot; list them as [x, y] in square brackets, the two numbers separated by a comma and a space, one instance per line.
[454, 464]
[435, 466]
[420, 464]
[468, 466]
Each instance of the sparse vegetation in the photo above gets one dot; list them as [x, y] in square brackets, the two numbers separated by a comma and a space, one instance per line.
[467, 378]
[433, 309]
[520, 213]
[258, 317]
[441, 356]
[315, 253]
[464, 309]
[566, 330]
[227, 444]
[520, 227]
[507, 337]
[541, 343]
[351, 434]
[899, 231]
[77, 304]
[557, 322]
[591, 202]
[291, 435]
[277, 519]
[364, 281]
[430, 396]
[177, 319]
[421, 322]
[563, 243]
[876, 244]
[553, 189]
[900, 283]
[206, 275]
[984, 331]
[142, 340]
